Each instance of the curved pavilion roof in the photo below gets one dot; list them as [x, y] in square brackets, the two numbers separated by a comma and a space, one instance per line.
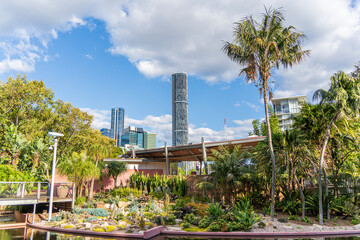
[192, 152]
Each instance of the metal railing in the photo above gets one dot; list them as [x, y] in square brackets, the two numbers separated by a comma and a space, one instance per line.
[35, 190]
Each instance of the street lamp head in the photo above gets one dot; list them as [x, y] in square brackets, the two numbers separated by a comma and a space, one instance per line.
[55, 134]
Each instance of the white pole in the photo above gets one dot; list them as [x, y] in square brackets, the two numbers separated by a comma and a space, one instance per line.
[52, 181]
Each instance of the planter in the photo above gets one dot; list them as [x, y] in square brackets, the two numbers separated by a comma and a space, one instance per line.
[62, 192]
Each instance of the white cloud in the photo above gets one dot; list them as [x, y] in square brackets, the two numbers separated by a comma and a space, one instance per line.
[161, 125]
[89, 56]
[101, 118]
[164, 36]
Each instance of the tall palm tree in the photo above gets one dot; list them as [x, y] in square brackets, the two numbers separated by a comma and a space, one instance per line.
[261, 47]
[343, 97]
[97, 153]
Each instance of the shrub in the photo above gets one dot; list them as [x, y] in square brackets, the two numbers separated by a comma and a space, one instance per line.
[80, 201]
[110, 228]
[246, 219]
[99, 230]
[215, 210]
[307, 220]
[186, 225]
[355, 220]
[191, 218]
[100, 212]
[215, 227]
[170, 220]
[205, 222]
[125, 192]
[194, 229]
[293, 217]
[261, 225]
[68, 226]
[282, 220]
[55, 219]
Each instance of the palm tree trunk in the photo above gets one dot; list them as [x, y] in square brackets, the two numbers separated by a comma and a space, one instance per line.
[322, 155]
[272, 155]
[91, 193]
[327, 196]
[302, 196]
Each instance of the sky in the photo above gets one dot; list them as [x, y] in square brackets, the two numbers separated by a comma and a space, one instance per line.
[101, 54]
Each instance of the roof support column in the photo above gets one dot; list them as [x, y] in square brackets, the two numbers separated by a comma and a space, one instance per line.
[204, 156]
[167, 159]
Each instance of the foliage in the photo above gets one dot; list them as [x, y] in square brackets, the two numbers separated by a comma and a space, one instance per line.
[176, 185]
[125, 192]
[204, 222]
[99, 212]
[28, 112]
[191, 218]
[186, 225]
[215, 210]
[260, 48]
[246, 219]
[115, 169]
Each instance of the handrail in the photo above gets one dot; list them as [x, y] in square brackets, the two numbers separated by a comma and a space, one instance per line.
[38, 182]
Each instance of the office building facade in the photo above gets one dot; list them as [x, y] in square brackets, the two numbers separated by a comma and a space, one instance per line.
[180, 135]
[285, 108]
[105, 131]
[149, 140]
[133, 136]
[117, 124]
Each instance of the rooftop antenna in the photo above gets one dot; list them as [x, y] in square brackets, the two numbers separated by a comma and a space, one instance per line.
[225, 128]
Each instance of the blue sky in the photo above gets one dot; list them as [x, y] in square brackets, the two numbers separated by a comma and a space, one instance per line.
[99, 55]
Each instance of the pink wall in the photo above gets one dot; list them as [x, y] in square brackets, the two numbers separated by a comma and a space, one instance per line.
[108, 183]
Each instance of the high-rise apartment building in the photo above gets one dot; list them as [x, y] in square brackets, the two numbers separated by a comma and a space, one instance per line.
[149, 140]
[105, 132]
[117, 124]
[287, 107]
[180, 109]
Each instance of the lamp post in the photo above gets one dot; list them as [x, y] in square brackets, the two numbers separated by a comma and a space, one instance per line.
[55, 135]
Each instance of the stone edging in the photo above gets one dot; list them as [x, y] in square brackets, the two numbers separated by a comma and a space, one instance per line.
[159, 231]
[147, 234]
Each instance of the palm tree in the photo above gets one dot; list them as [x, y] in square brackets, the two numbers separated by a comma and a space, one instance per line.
[260, 48]
[115, 169]
[227, 168]
[97, 153]
[343, 97]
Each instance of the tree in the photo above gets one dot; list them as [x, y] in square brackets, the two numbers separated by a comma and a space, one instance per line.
[97, 152]
[343, 97]
[115, 169]
[261, 48]
[227, 168]
[79, 169]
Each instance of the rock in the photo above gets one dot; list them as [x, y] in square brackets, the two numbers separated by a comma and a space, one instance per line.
[288, 227]
[317, 226]
[141, 232]
[107, 206]
[178, 221]
[87, 225]
[174, 228]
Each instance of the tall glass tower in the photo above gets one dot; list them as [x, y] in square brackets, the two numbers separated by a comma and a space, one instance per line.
[117, 124]
[180, 109]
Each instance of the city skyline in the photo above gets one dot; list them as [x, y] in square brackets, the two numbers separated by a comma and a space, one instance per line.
[97, 55]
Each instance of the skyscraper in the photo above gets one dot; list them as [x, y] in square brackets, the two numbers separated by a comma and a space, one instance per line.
[180, 109]
[117, 124]
[105, 132]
